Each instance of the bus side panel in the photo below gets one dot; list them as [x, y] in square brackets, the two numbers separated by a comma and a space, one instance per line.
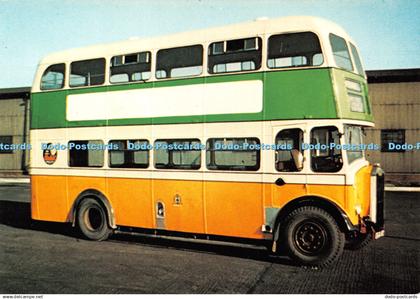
[49, 198]
[234, 209]
[183, 204]
[131, 201]
[282, 195]
[299, 94]
[334, 193]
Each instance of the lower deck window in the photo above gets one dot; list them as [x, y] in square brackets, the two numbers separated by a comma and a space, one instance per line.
[177, 154]
[86, 153]
[233, 154]
[324, 157]
[129, 154]
[289, 154]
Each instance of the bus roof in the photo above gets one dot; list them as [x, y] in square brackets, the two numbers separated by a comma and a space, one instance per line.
[259, 26]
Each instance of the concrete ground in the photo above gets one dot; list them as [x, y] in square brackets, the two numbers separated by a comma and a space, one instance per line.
[49, 258]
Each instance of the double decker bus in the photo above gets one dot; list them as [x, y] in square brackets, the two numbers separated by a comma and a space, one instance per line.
[251, 132]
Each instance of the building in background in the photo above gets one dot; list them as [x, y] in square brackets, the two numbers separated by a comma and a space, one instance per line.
[14, 128]
[395, 96]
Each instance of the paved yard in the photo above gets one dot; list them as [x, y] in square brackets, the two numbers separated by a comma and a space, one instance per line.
[42, 257]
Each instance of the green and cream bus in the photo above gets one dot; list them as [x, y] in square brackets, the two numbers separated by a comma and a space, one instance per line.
[241, 131]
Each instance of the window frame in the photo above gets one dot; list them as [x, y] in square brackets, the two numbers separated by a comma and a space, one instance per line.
[356, 59]
[89, 85]
[44, 72]
[130, 80]
[175, 140]
[234, 167]
[349, 129]
[332, 35]
[297, 66]
[302, 131]
[323, 156]
[129, 153]
[168, 77]
[385, 149]
[259, 48]
[69, 164]
[9, 151]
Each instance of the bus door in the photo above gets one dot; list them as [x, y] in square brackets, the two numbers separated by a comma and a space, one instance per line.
[290, 162]
[177, 186]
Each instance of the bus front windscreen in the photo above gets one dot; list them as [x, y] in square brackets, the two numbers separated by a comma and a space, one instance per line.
[354, 140]
[357, 60]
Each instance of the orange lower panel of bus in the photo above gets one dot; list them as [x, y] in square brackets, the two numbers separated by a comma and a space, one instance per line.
[209, 207]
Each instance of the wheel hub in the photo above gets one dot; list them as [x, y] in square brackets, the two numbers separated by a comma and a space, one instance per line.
[310, 237]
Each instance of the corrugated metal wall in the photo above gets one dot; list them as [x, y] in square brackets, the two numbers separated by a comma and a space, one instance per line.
[12, 120]
[396, 106]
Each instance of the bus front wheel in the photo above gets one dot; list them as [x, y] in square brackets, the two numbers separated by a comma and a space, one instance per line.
[92, 220]
[312, 237]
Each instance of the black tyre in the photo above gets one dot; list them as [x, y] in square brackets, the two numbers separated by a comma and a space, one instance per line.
[92, 220]
[356, 241]
[312, 237]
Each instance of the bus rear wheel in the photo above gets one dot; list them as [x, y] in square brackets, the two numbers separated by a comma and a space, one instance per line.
[92, 220]
[312, 237]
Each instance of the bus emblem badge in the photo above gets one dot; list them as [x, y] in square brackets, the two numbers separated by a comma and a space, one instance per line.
[49, 154]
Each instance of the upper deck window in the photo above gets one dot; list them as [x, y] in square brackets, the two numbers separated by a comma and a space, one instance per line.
[53, 77]
[87, 72]
[235, 55]
[357, 60]
[130, 67]
[294, 50]
[341, 52]
[179, 62]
